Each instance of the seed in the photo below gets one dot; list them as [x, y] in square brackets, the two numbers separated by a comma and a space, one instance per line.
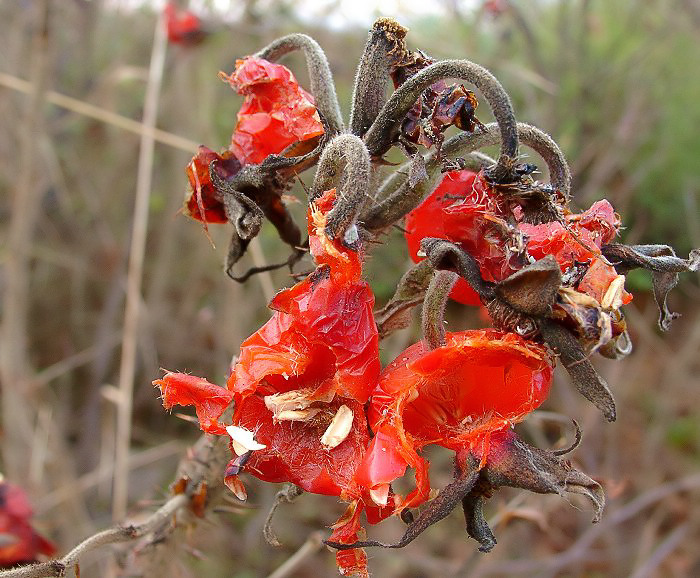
[297, 414]
[339, 428]
[243, 440]
[380, 494]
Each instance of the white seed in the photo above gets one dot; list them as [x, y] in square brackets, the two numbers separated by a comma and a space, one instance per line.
[293, 400]
[380, 494]
[613, 296]
[243, 440]
[297, 414]
[339, 428]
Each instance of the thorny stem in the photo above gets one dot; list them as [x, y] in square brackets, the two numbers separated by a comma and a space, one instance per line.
[434, 307]
[385, 129]
[344, 164]
[399, 197]
[320, 76]
[369, 93]
[203, 466]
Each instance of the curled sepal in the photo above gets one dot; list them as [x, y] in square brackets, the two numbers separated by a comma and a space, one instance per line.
[514, 463]
[385, 45]
[445, 255]
[320, 76]
[434, 306]
[386, 127]
[661, 260]
[345, 165]
[446, 501]
[533, 289]
[584, 376]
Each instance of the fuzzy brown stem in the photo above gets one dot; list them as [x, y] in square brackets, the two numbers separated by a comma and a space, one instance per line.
[344, 164]
[434, 306]
[385, 129]
[399, 197]
[369, 93]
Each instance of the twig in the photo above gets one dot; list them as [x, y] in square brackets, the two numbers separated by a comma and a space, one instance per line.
[15, 369]
[580, 548]
[286, 495]
[137, 251]
[105, 116]
[203, 467]
[662, 550]
[309, 548]
[160, 518]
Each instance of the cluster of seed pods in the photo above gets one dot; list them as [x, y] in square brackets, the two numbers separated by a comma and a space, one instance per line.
[312, 405]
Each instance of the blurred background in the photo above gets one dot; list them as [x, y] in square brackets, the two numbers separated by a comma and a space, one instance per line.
[83, 83]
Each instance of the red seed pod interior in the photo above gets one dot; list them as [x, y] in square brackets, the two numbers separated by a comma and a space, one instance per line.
[202, 202]
[579, 242]
[463, 209]
[454, 396]
[294, 452]
[277, 112]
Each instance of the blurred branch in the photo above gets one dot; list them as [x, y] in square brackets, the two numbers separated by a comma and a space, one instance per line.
[662, 551]
[15, 370]
[158, 520]
[313, 544]
[127, 368]
[105, 116]
[580, 549]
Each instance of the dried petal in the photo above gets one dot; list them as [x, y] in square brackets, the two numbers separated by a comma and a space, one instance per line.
[236, 486]
[665, 266]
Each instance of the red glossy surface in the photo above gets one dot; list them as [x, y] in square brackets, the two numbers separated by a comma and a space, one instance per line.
[453, 396]
[277, 112]
[210, 400]
[323, 334]
[464, 210]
